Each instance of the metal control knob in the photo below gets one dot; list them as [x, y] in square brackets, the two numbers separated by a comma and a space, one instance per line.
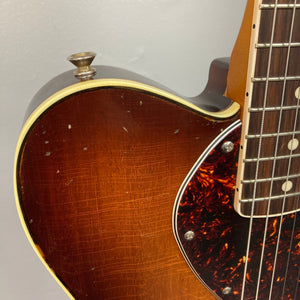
[83, 61]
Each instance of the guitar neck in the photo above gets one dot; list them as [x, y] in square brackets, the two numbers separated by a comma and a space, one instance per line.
[268, 174]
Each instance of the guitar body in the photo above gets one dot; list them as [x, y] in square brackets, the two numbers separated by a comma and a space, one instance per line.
[98, 170]
[129, 191]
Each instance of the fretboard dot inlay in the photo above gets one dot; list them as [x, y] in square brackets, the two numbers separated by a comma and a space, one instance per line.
[293, 144]
[297, 93]
[287, 186]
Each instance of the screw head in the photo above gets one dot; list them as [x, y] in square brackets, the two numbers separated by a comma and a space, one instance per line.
[189, 235]
[227, 147]
[227, 290]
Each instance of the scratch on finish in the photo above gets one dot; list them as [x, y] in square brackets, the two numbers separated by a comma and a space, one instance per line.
[125, 129]
[69, 182]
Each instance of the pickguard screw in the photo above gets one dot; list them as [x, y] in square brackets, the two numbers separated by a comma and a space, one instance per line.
[227, 290]
[189, 235]
[227, 147]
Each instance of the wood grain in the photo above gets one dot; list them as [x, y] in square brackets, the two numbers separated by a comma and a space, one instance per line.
[98, 176]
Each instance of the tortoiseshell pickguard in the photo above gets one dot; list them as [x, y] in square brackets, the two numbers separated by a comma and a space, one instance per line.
[218, 250]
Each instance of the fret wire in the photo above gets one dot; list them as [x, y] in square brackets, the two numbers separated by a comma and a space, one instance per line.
[269, 198]
[266, 135]
[246, 160]
[280, 78]
[269, 179]
[268, 6]
[277, 45]
[257, 109]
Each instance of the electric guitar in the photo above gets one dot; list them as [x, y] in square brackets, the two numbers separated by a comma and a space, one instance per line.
[127, 190]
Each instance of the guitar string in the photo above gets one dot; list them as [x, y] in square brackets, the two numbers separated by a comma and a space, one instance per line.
[273, 173]
[297, 204]
[282, 212]
[275, 154]
[258, 156]
[290, 157]
[298, 200]
[289, 254]
[296, 289]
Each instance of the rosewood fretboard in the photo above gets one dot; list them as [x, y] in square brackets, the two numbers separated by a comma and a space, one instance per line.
[270, 182]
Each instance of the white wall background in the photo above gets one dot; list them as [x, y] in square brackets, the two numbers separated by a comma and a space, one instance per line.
[169, 41]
